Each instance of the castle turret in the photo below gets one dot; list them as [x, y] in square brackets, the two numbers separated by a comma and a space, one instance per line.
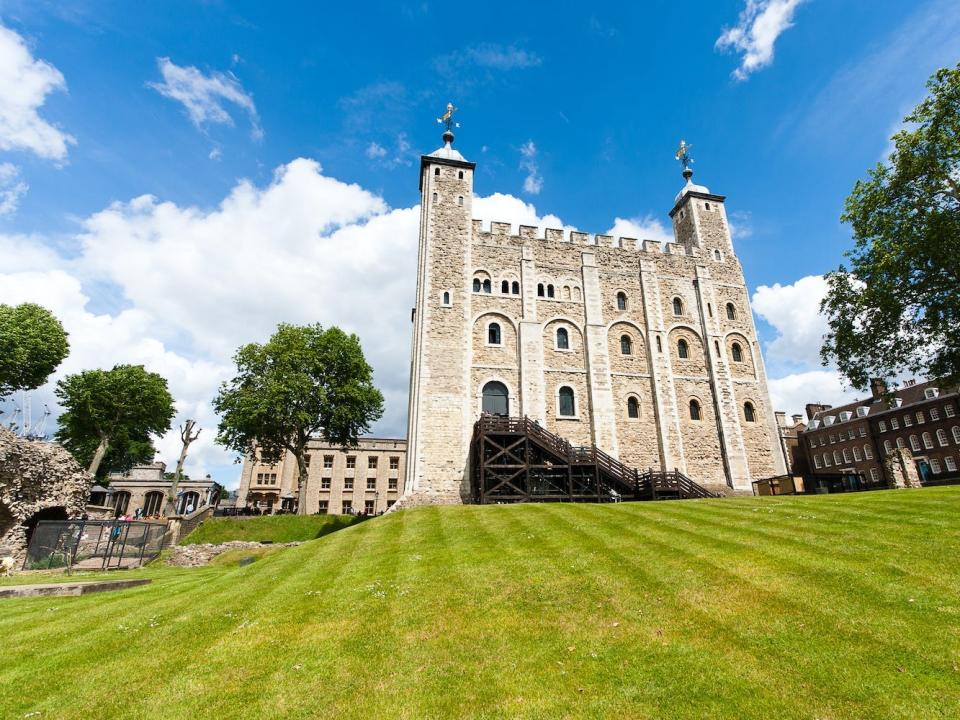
[439, 429]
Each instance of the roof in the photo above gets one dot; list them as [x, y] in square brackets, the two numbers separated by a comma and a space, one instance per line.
[909, 395]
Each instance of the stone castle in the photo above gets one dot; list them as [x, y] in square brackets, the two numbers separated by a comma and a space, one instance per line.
[647, 350]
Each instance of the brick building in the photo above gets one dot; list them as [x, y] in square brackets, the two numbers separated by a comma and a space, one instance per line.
[366, 478]
[646, 350]
[861, 437]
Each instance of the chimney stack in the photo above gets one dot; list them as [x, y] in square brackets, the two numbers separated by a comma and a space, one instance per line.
[781, 417]
[797, 419]
[814, 408]
[878, 388]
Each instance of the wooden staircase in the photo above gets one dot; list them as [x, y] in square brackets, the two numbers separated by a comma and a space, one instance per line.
[518, 460]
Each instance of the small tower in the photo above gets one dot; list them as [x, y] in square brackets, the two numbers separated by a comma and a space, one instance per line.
[699, 217]
[438, 428]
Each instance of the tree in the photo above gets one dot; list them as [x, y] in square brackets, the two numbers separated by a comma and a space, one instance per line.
[304, 381]
[898, 306]
[187, 436]
[32, 344]
[122, 407]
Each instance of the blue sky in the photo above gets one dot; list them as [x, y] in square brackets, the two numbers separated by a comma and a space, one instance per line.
[178, 178]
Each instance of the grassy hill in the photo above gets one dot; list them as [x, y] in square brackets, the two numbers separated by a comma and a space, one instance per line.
[824, 607]
[268, 528]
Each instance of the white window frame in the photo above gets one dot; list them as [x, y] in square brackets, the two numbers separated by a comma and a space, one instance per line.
[928, 441]
[576, 403]
[950, 463]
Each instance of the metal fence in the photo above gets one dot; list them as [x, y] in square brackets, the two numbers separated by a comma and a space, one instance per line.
[93, 544]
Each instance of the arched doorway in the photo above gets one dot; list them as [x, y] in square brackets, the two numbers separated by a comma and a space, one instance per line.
[47, 513]
[153, 503]
[121, 501]
[496, 398]
[189, 502]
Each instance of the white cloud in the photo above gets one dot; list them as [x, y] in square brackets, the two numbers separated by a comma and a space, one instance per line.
[507, 208]
[499, 57]
[792, 392]
[641, 228]
[400, 155]
[376, 150]
[741, 224]
[25, 83]
[760, 23]
[204, 96]
[12, 188]
[533, 182]
[794, 312]
[215, 154]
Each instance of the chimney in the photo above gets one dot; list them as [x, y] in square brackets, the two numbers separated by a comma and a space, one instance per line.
[878, 388]
[797, 419]
[814, 408]
[781, 417]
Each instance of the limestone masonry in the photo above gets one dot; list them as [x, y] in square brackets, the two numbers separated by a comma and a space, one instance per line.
[647, 350]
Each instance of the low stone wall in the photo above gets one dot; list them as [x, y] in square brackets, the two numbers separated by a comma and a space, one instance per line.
[199, 555]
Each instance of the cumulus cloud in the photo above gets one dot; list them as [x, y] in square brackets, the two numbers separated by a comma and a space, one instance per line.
[791, 393]
[25, 83]
[12, 188]
[533, 182]
[205, 97]
[794, 312]
[641, 228]
[760, 23]
[399, 155]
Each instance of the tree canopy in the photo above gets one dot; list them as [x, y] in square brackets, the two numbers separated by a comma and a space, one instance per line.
[304, 381]
[111, 415]
[32, 344]
[897, 307]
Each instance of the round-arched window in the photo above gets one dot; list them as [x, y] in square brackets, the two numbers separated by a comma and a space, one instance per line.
[496, 398]
[633, 407]
[737, 352]
[493, 334]
[567, 402]
[683, 350]
[749, 414]
[563, 339]
[677, 306]
[621, 301]
[626, 345]
[694, 410]
[731, 312]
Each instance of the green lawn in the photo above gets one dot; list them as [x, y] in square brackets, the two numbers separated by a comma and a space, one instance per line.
[268, 528]
[829, 607]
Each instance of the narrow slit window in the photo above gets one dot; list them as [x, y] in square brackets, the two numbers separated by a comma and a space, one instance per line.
[677, 306]
[626, 345]
[737, 352]
[683, 349]
[633, 408]
[694, 410]
[621, 301]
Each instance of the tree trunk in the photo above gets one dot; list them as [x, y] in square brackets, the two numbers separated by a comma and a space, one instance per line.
[187, 436]
[301, 484]
[98, 455]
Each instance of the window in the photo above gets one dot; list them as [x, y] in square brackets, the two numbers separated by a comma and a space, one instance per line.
[816, 461]
[867, 452]
[372, 463]
[324, 505]
[883, 426]
[476, 285]
[347, 507]
[460, 201]
[505, 287]
[306, 459]
[935, 465]
[950, 463]
[325, 483]
[894, 424]
[836, 457]
[737, 352]
[626, 345]
[942, 438]
[934, 414]
[328, 461]
[621, 301]
[371, 483]
[863, 431]
[683, 350]
[493, 334]
[874, 475]
[515, 288]
[716, 255]
[446, 298]
[948, 410]
[348, 483]
[850, 434]
[486, 286]
[563, 339]
[846, 455]
[394, 463]
[812, 442]
[434, 197]
[351, 462]
[731, 312]
[567, 405]
[928, 441]
[677, 306]
[540, 292]
[706, 205]
[956, 434]
[391, 503]
[716, 346]
[709, 309]
[833, 439]
[460, 175]
[907, 421]
[900, 443]
[659, 344]
[633, 408]
[694, 410]
[887, 447]
[392, 484]
[914, 443]
[368, 507]
[920, 419]
[495, 398]
[749, 414]
[436, 172]
[549, 291]
[826, 459]
[856, 454]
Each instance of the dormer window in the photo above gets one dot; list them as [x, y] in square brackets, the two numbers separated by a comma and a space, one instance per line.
[845, 415]
[863, 411]
[931, 393]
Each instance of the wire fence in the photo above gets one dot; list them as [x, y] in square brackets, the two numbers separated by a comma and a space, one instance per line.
[93, 544]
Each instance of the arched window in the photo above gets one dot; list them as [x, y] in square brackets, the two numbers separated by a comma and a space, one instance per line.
[486, 286]
[153, 503]
[867, 452]
[188, 502]
[505, 287]
[495, 398]
[563, 339]
[731, 312]
[826, 459]
[621, 301]
[716, 255]
[928, 441]
[121, 501]
[901, 443]
[914, 443]
[566, 292]
[683, 350]
[567, 404]
[677, 306]
[460, 201]
[749, 414]
[576, 293]
[626, 345]
[540, 292]
[436, 172]
[956, 434]
[737, 352]
[493, 334]
[460, 175]
[477, 287]
[942, 438]
[887, 447]
[516, 288]
[550, 291]
[446, 297]
[836, 457]
[694, 410]
[633, 408]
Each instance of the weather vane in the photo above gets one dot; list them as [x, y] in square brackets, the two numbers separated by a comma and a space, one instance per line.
[447, 118]
[683, 155]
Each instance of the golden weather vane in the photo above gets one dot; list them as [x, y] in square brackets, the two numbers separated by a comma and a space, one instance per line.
[683, 155]
[447, 118]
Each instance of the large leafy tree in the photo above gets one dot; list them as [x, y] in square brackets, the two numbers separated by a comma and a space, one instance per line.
[111, 415]
[898, 305]
[32, 344]
[304, 381]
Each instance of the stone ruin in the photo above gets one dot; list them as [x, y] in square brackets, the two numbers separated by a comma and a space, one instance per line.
[901, 469]
[38, 481]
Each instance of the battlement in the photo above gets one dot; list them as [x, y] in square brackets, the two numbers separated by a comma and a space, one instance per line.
[504, 231]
